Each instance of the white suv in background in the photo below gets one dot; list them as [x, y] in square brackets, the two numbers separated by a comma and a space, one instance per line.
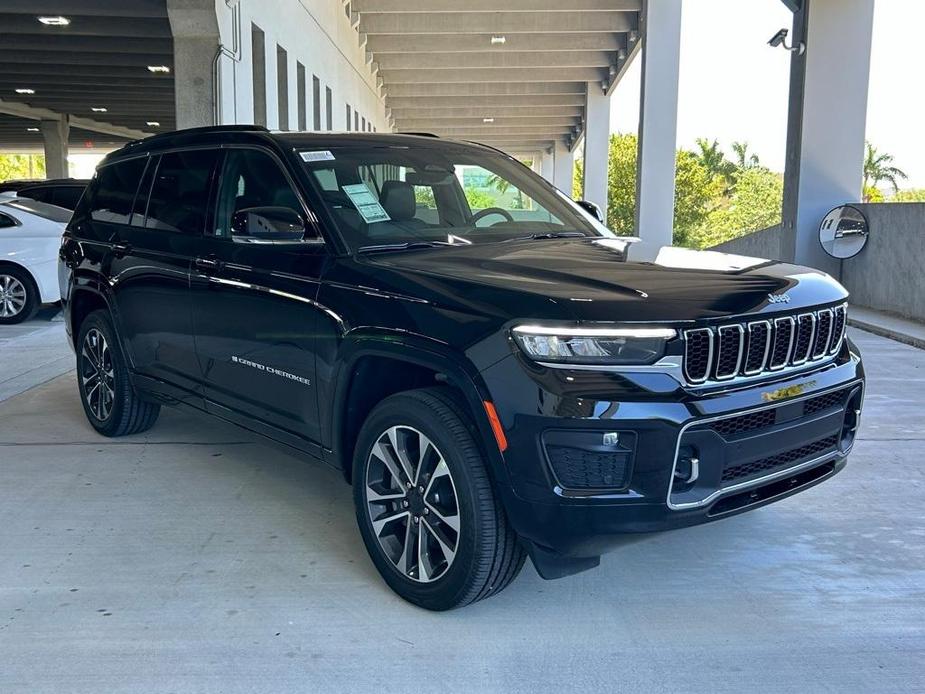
[30, 235]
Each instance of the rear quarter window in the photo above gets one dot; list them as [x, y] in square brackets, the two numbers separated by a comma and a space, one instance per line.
[114, 192]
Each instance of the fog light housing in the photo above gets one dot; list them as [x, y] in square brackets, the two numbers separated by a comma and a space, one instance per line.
[589, 461]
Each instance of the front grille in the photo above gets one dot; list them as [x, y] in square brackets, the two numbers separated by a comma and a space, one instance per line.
[743, 423]
[760, 347]
[576, 468]
[771, 464]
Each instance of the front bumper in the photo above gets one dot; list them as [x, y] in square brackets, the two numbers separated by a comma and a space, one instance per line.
[755, 444]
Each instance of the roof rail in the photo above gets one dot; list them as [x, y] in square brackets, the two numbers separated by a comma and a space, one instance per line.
[202, 129]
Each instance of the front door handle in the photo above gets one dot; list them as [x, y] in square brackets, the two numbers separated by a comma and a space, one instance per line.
[208, 264]
[120, 250]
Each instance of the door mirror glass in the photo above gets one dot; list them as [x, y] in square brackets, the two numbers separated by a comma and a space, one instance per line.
[591, 209]
[844, 232]
[257, 224]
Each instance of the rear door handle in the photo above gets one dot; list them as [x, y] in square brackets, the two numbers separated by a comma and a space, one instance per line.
[120, 250]
[208, 264]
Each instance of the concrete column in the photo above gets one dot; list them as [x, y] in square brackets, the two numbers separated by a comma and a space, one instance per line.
[54, 135]
[547, 166]
[827, 121]
[195, 44]
[658, 120]
[563, 167]
[597, 145]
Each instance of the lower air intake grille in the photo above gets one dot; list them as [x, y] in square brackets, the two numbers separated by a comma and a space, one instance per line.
[766, 466]
[579, 469]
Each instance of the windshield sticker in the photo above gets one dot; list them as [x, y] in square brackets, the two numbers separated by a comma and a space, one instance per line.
[366, 203]
[318, 155]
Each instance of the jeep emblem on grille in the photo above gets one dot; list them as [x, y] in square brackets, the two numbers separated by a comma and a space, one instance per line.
[779, 298]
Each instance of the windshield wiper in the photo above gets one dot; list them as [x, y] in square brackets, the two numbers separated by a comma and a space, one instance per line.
[406, 246]
[549, 235]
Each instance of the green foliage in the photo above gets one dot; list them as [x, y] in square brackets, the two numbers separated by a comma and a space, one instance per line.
[911, 195]
[715, 199]
[17, 166]
[424, 197]
[478, 200]
[754, 203]
[878, 167]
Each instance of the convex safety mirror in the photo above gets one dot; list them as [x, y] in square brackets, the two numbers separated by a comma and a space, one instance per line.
[844, 231]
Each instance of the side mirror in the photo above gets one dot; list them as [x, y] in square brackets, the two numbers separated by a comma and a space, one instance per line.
[591, 209]
[267, 224]
[844, 232]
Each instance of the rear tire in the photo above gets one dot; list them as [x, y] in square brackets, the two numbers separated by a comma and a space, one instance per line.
[444, 542]
[19, 296]
[110, 402]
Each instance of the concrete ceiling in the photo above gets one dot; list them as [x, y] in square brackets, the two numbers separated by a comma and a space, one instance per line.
[442, 73]
[98, 60]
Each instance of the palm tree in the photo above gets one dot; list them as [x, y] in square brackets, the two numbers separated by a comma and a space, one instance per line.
[714, 161]
[744, 160]
[879, 167]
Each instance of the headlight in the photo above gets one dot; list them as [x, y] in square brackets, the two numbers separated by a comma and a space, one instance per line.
[593, 345]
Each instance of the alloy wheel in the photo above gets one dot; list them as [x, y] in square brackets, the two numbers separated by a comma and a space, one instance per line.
[412, 503]
[97, 375]
[12, 296]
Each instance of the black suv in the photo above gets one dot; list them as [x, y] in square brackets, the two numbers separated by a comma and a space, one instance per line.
[495, 373]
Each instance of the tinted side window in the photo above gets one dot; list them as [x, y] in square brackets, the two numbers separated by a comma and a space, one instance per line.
[180, 194]
[115, 191]
[6, 221]
[254, 184]
[40, 194]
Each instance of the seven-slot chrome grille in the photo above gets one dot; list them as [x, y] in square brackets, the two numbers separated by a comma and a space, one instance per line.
[761, 347]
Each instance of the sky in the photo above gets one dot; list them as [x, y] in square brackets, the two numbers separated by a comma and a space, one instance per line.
[733, 86]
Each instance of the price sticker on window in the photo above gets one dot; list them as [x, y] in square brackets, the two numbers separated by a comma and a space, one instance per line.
[366, 202]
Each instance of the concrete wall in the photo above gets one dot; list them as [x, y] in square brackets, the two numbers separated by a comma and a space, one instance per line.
[887, 275]
[316, 33]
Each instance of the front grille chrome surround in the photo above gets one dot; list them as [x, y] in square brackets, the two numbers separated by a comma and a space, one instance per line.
[762, 347]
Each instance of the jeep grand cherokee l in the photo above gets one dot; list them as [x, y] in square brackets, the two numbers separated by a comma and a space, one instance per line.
[496, 374]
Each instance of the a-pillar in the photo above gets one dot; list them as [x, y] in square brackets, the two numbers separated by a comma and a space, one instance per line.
[54, 135]
[658, 121]
[597, 145]
[827, 121]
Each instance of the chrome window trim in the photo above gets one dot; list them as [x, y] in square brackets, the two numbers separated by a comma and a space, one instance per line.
[812, 337]
[719, 350]
[709, 368]
[759, 481]
[767, 347]
[789, 354]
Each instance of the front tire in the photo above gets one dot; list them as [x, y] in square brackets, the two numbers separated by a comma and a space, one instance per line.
[19, 297]
[110, 402]
[425, 505]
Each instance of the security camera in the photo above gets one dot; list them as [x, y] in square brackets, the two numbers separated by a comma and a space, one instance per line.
[780, 39]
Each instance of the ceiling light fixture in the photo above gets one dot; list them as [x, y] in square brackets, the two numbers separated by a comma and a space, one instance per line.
[158, 68]
[98, 109]
[32, 130]
[488, 120]
[57, 21]
[498, 40]
[25, 91]
[154, 123]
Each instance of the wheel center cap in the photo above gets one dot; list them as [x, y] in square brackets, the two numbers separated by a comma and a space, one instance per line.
[416, 503]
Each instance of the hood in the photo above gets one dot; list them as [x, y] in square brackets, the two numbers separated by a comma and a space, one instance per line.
[603, 280]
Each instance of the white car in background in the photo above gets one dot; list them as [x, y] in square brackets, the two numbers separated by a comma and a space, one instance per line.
[30, 236]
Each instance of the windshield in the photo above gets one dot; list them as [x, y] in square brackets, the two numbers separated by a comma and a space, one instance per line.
[396, 195]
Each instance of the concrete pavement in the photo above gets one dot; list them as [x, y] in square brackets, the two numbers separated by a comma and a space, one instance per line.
[196, 558]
